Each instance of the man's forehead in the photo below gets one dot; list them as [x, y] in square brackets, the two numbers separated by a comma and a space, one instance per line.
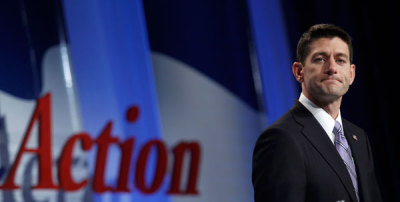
[327, 45]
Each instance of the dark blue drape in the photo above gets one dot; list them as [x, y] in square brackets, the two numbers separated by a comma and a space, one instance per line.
[371, 102]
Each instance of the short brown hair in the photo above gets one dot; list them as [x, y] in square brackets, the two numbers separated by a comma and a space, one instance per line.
[321, 31]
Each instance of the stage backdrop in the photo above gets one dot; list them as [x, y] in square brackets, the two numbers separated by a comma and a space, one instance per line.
[137, 101]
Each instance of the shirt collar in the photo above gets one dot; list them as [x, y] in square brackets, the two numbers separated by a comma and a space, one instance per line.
[323, 118]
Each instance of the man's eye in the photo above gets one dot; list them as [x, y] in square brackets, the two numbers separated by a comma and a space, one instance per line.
[319, 59]
[341, 61]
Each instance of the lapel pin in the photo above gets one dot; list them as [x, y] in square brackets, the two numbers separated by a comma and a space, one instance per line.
[355, 137]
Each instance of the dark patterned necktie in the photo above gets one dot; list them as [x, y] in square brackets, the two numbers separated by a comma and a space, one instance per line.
[344, 150]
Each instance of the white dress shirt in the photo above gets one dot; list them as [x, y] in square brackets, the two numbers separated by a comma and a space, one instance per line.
[323, 118]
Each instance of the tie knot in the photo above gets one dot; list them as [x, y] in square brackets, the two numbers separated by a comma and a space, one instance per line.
[337, 130]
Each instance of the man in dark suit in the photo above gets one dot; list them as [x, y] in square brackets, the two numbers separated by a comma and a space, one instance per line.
[311, 153]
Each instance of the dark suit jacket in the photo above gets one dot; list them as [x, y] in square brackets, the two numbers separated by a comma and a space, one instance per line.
[294, 160]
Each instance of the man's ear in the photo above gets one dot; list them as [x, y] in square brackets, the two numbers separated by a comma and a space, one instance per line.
[297, 69]
[352, 73]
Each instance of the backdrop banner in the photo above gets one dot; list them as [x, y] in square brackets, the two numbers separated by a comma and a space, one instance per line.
[206, 89]
[136, 100]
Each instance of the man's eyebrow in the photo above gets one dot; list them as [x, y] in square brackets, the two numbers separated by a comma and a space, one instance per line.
[342, 55]
[325, 54]
[320, 53]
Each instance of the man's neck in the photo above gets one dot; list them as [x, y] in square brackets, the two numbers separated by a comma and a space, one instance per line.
[332, 107]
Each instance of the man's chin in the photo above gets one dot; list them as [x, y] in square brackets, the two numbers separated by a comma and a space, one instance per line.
[331, 97]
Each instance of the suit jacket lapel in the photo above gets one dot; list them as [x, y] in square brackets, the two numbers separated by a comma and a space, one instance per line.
[314, 132]
[356, 149]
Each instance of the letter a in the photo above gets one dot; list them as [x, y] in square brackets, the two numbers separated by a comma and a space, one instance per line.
[42, 114]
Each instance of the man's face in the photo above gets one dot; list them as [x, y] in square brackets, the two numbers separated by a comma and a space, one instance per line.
[326, 73]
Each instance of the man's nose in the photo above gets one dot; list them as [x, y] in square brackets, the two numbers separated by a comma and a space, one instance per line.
[331, 66]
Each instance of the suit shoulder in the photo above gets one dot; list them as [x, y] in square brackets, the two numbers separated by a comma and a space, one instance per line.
[285, 123]
[281, 136]
[353, 127]
[285, 127]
